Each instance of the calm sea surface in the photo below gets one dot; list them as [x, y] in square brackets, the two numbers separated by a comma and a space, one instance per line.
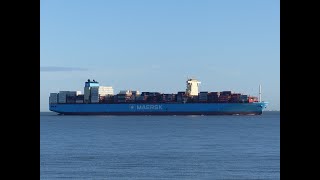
[160, 147]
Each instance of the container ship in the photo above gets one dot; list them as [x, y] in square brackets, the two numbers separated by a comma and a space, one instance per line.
[101, 100]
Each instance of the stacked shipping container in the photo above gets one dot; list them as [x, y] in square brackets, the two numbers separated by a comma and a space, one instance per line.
[53, 98]
[93, 93]
[203, 96]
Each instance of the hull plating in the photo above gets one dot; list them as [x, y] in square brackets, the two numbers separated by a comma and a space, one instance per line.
[160, 109]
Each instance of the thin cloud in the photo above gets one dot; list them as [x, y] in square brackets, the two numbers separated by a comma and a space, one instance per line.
[58, 69]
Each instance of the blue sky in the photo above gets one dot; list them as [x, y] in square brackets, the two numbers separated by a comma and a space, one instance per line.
[156, 45]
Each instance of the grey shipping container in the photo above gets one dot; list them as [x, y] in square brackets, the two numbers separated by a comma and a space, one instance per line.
[79, 101]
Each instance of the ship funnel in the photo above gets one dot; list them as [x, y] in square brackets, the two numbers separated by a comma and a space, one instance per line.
[260, 93]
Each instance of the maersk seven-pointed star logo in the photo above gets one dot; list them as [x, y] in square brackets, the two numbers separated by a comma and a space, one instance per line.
[132, 107]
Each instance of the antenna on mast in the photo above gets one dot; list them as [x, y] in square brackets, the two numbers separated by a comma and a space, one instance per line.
[260, 93]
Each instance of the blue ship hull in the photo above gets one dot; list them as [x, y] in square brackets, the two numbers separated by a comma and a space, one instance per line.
[255, 108]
